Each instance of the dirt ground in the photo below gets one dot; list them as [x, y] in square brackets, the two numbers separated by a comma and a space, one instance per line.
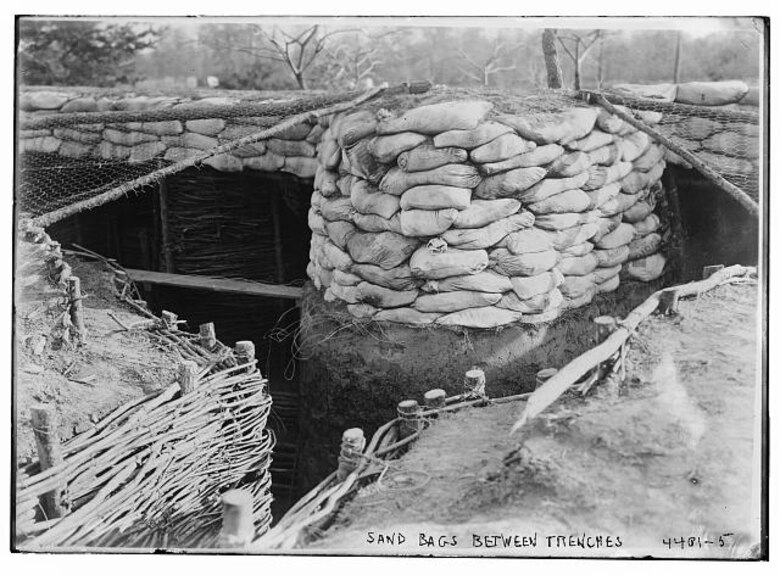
[666, 469]
[83, 383]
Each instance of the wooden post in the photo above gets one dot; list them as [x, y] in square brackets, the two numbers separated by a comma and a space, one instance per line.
[120, 281]
[76, 309]
[353, 442]
[474, 382]
[47, 440]
[245, 352]
[409, 412]
[208, 335]
[188, 376]
[168, 265]
[435, 398]
[709, 270]
[605, 325]
[238, 527]
[544, 374]
[170, 320]
[667, 302]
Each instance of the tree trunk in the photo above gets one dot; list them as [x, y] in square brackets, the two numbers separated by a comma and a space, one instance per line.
[577, 65]
[554, 74]
[677, 57]
[301, 80]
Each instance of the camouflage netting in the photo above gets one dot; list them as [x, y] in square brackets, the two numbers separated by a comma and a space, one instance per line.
[483, 209]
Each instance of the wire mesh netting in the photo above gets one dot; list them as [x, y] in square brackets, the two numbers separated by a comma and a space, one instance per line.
[726, 138]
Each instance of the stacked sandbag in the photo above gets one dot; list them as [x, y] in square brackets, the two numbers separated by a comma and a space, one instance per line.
[456, 214]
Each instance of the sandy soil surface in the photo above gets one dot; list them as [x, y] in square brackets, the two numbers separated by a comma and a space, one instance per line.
[83, 383]
[665, 469]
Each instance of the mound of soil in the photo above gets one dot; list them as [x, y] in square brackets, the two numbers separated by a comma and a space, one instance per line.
[82, 383]
[668, 468]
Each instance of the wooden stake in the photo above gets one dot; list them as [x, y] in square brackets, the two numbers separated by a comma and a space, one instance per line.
[353, 441]
[435, 398]
[47, 441]
[709, 270]
[238, 527]
[73, 285]
[605, 325]
[245, 352]
[474, 381]
[188, 376]
[668, 303]
[208, 335]
[170, 320]
[409, 412]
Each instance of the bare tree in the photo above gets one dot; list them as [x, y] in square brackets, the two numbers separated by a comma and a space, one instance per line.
[354, 61]
[580, 46]
[481, 71]
[553, 65]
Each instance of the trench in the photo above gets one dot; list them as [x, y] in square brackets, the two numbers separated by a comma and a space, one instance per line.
[254, 226]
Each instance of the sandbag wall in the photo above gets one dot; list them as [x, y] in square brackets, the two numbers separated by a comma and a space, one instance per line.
[457, 214]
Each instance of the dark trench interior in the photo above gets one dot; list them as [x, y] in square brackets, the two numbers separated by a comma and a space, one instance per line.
[254, 226]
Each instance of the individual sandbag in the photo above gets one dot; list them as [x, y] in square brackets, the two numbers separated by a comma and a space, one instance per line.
[620, 236]
[431, 262]
[374, 223]
[362, 310]
[367, 199]
[577, 286]
[334, 209]
[648, 116]
[554, 222]
[344, 184]
[326, 277]
[385, 249]
[483, 212]
[658, 92]
[612, 257]
[316, 223]
[316, 199]
[542, 318]
[437, 118]
[363, 164]
[485, 281]
[577, 250]
[427, 157]
[600, 196]
[569, 165]
[470, 139]
[539, 303]
[608, 122]
[337, 257]
[509, 183]
[596, 139]
[447, 302]
[733, 144]
[609, 285]
[396, 181]
[304, 168]
[600, 176]
[602, 274]
[528, 240]
[346, 278]
[648, 225]
[327, 183]
[329, 154]
[566, 202]
[347, 294]
[528, 287]
[553, 127]
[711, 93]
[647, 161]
[617, 205]
[529, 264]
[646, 269]
[728, 164]
[633, 146]
[339, 232]
[605, 156]
[383, 297]
[426, 223]
[406, 316]
[490, 235]
[549, 187]
[397, 278]
[387, 148]
[644, 246]
[571, 302]
[540, 156]
[480, 318]
[500, 149]
[435, 197]
[351, 128]
[578, 265]
[637, 181]
[291, 148]
[638, 212]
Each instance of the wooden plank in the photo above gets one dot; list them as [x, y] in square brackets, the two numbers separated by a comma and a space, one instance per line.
[210, 283]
